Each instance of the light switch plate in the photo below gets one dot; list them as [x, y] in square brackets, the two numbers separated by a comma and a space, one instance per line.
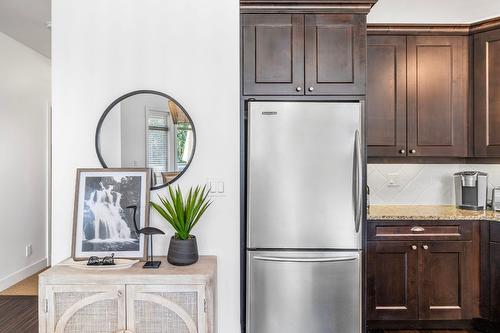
[217, 187]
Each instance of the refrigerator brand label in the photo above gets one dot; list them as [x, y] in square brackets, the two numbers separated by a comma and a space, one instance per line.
[269, 113]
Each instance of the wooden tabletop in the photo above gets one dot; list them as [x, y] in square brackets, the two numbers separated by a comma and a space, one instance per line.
[201, 272]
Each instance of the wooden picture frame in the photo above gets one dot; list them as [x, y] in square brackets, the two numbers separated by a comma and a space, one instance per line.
[102, 195]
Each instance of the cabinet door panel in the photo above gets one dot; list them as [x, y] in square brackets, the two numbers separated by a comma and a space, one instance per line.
[386, 96]
[487, 93]
[437, 96]
[273, 54]
[495, 281]
[392, 280]
[85, 308]
[445, 280]
[335, 54]
[166, 308]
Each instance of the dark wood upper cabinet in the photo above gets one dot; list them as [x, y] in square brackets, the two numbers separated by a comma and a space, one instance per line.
[392, 280]
[445, 281]
[273, 54]
[487, 94]
[437, 95]
[386, 96]
[299, 54]
[335, 54]
[417, 96]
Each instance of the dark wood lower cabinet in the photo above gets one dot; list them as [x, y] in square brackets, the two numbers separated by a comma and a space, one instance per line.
[495, 281]
[422, 280]
[445, 280]
[392, 280]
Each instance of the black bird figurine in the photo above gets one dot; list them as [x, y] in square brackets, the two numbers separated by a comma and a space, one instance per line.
[150, 231]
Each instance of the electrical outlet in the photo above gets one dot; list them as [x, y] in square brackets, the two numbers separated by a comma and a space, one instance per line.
[29, 250]
[393, 180]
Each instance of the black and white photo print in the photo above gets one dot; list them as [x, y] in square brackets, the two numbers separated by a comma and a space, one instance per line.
[102, 223]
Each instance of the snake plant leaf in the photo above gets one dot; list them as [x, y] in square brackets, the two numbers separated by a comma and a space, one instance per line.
[164, 214]
[171, 211]
[183, 213]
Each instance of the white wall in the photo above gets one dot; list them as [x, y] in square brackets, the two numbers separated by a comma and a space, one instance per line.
[187, 49]
[433, 11]
[24, 104]
[421, 184]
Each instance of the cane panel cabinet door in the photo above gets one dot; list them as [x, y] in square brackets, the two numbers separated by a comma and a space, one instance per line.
[273, 54]
[167, 308]
[85, 308]
[487, 94]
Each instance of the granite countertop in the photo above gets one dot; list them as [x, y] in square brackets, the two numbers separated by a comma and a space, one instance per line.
[428, 212]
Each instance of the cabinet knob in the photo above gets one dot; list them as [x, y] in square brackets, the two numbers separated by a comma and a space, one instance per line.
[311, 88]
[425, 247]
[119, 293]
[299, 89]
[413, 247]
[402, 151]
[417, 229]
[413, 151]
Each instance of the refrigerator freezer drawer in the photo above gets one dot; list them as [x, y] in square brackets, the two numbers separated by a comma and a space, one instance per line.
[297, 292]
[304, 175]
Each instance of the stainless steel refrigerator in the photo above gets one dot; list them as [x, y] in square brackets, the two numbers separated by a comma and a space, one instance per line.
[304, 218]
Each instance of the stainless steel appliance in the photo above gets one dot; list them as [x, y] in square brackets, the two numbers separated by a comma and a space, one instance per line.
[304, 218]
[495, 199]
[471, 190]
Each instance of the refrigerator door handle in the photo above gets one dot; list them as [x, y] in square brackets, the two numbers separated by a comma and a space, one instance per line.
[284, 259]
[357, 181]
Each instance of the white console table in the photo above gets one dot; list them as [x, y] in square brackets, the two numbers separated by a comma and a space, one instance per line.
[174, 299]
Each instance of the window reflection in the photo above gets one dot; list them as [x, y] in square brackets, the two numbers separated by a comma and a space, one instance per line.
[148, 130]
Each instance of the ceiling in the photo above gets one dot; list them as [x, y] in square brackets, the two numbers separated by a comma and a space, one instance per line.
[26, 20]
[433, 11]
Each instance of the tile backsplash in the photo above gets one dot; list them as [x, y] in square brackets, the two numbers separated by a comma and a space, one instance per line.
[420, 184]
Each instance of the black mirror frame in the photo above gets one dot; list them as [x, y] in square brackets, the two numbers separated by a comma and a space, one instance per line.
[139, 92]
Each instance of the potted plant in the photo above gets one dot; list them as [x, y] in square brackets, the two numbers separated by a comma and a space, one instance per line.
[183, 215]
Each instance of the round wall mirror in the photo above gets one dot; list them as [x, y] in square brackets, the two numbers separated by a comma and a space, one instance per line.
[147, 129]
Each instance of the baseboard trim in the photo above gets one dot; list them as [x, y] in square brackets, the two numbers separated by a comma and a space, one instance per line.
[22, 274]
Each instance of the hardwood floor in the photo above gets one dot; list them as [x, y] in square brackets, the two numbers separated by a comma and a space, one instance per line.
[422, 331]
[18, 314]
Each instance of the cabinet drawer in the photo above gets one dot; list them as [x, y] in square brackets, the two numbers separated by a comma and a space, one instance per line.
[495, 232]
[417, 230]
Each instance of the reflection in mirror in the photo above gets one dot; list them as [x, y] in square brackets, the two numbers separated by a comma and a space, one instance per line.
[146, 129]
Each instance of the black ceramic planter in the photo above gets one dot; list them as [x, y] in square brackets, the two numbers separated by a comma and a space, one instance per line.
[182, 252]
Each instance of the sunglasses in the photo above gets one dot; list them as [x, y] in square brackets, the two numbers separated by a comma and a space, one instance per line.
[106, 261]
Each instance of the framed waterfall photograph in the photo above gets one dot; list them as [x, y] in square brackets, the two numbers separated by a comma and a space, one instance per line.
[103, 221]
